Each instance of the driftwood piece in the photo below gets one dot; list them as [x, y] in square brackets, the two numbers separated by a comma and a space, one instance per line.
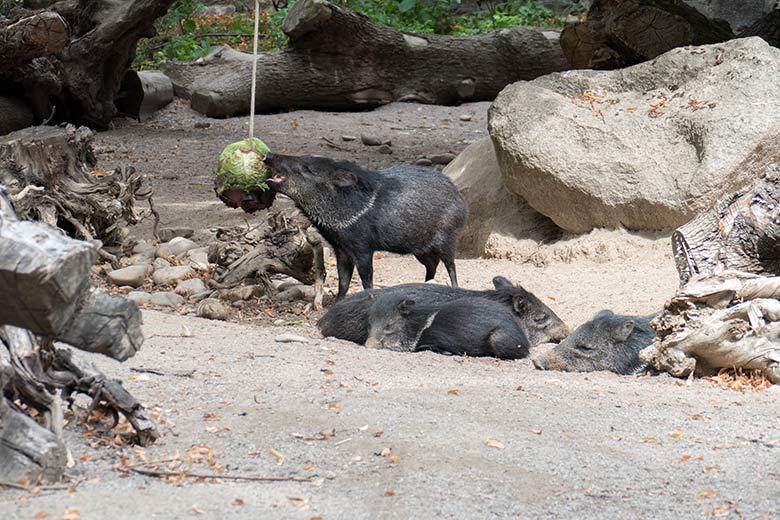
[143, 93]
[341, 60]
[727, 320]
[31, 37]
[618, 33]
[51, 175]
[285, 242]
[742, 231]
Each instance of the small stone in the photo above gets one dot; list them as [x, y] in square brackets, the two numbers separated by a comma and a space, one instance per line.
[466, 117]
[180, 245]
[199, 260]
[168, 234]
[136, 260]
[290, 294]
[190, 286]
[290, 338]
[423, 162]
[166, 299]
[163, 251]
[161, 263]
[202, 124]
[347, 138]
[144, 249]
[133, 276]
[370, 140]
[139, 297]
[442, 158]
[212, 309]
[171, 275]
[107, 268]
[385, 149]
[201, 295]
[244, 292]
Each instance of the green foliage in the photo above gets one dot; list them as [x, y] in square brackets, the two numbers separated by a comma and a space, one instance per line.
[183, 34]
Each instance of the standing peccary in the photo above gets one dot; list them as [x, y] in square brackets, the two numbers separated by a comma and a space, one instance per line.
[606, 342]
[405, 209]
[467, 326]
[348, 319]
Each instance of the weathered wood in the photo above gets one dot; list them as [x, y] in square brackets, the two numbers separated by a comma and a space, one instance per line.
[742, 231]
[618, 33]
[767, 28]
[64, 187]
[14, 114]
[727, 320]
[341, 60]
[284, 243]
[82, 80]
[31, 37]
[143, 93]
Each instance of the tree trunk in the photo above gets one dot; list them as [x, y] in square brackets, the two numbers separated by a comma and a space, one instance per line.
[82, 80]
[38, 35]
[143, 93]
[51, 175]
[767, 28]
[341, 60]
[618, 33]
[741, 232]
[14, 114]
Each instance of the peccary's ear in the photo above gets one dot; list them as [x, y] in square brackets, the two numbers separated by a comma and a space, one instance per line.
[343, 178]
[405, 307]
[500, 281]
[621, 331]
[606, 313]
[519, 304]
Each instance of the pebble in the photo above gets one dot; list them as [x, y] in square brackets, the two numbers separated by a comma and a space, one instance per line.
[190, 286]
[181, 245]
[442, 158]
[139, 297]
[290, 338]
[201, 295]
[239, 293]
[161, 263]
[347, 138]
[166, 299]
[423, 162]
[145, 249]
[163, 251]
[466, 117]
[385, 149]
[370, 140]
[168, 234]
[171, 275]
[133, 276]
[212, 309]
[199, 260]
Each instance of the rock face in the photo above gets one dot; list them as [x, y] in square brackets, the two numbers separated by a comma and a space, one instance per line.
[739, 14]
[497, 219]
[647, 147]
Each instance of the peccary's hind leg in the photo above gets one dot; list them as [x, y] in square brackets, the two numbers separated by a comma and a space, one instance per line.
[431, 262]
[345, 267]
[365, 267]
[506, 345]
[448, 257]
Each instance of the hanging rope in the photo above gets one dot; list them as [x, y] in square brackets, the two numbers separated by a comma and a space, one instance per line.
[254, 72]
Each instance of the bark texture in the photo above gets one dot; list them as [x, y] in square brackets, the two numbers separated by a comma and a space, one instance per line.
[618, 33]
[341, 60]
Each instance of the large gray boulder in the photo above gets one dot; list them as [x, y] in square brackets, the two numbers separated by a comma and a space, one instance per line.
[646, 147]
[499, 223]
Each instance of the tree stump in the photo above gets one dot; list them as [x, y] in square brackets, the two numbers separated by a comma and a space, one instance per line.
[341, 60]
[618, 33]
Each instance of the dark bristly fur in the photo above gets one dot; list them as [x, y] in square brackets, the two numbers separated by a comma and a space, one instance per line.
[607, 342]
[348, 318]
[467, 326]
[404, 209]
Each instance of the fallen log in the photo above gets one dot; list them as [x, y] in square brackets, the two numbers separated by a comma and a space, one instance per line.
[619, 33]
[31, 37]
[143, 93]
[341, 60]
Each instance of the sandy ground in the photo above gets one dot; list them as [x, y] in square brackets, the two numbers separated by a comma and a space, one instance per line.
[393, 435]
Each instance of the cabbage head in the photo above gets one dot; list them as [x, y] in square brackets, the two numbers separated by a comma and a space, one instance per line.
[241, 166]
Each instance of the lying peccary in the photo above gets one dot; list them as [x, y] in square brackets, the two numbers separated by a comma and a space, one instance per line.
[348, 319]
[471, 326]
[405, 209]
[607, 342]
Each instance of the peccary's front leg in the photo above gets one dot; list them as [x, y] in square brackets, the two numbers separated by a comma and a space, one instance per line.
[345, 267]
[365, 267]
